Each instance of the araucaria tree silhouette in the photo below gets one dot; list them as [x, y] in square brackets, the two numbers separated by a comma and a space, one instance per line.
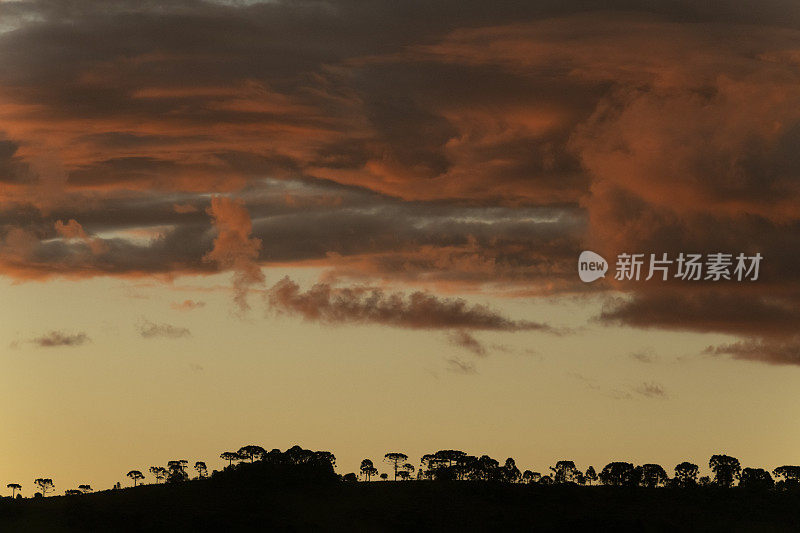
[45, 485]
[85, 488]
[14, 488]
[368, 469]
[756, 479]
[653, 475]
[135, 475]
[159, 472]
[202, 469]
[252, 452]
[230, 457]
[564, 472]
[726, 469]
[177, 470]
[395, 459]
[618, 473]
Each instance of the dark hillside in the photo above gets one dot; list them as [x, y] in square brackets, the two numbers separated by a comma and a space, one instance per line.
[219, 504]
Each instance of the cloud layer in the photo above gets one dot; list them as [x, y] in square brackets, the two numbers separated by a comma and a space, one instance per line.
[458, 147]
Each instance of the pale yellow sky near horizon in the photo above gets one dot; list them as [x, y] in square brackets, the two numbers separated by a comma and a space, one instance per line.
[90, 413]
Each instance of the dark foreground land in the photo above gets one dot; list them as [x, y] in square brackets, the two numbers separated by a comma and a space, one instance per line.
[404, 506]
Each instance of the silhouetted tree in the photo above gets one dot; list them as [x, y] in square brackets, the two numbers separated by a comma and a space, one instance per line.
[85, 488]
[404, 475]
[135, 475]
[531, 477]
[653, 475]
[72, 492]
[45, 484]
[368, 469]
[790, 476]
[511, 473]
[323, 457]
[159, 472]
[726, 469]
[274, 456]
[202, 469]
[350, 478]
[617, 474]
[177, 471]
[591, 475]
[704, 481]
[488, 468]
[686, 474]
[384, 476]
[434, 466]
[635, 479]
[395, 459]
[756, 479]
[465, 467]
[230, 457]
[450, 456]
[252, 452]
[14, 488]
[545, 480]
[564, 472]
[446, 464]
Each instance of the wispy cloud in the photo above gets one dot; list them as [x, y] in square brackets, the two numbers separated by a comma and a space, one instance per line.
[149, 330]
[650, 389]
[418, 310]
[187, 305]
[784, 351]
[459, 366]
[647, 389]
[646, 355]
[467, 341]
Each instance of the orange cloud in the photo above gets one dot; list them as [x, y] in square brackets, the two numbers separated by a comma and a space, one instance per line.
[234, 249]
[430, 158]
[73, 230]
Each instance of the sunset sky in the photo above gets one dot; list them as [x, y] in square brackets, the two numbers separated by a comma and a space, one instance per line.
[355, 226]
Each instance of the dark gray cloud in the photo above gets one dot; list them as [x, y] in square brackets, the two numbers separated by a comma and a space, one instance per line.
[60, 338]
[699, 309]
